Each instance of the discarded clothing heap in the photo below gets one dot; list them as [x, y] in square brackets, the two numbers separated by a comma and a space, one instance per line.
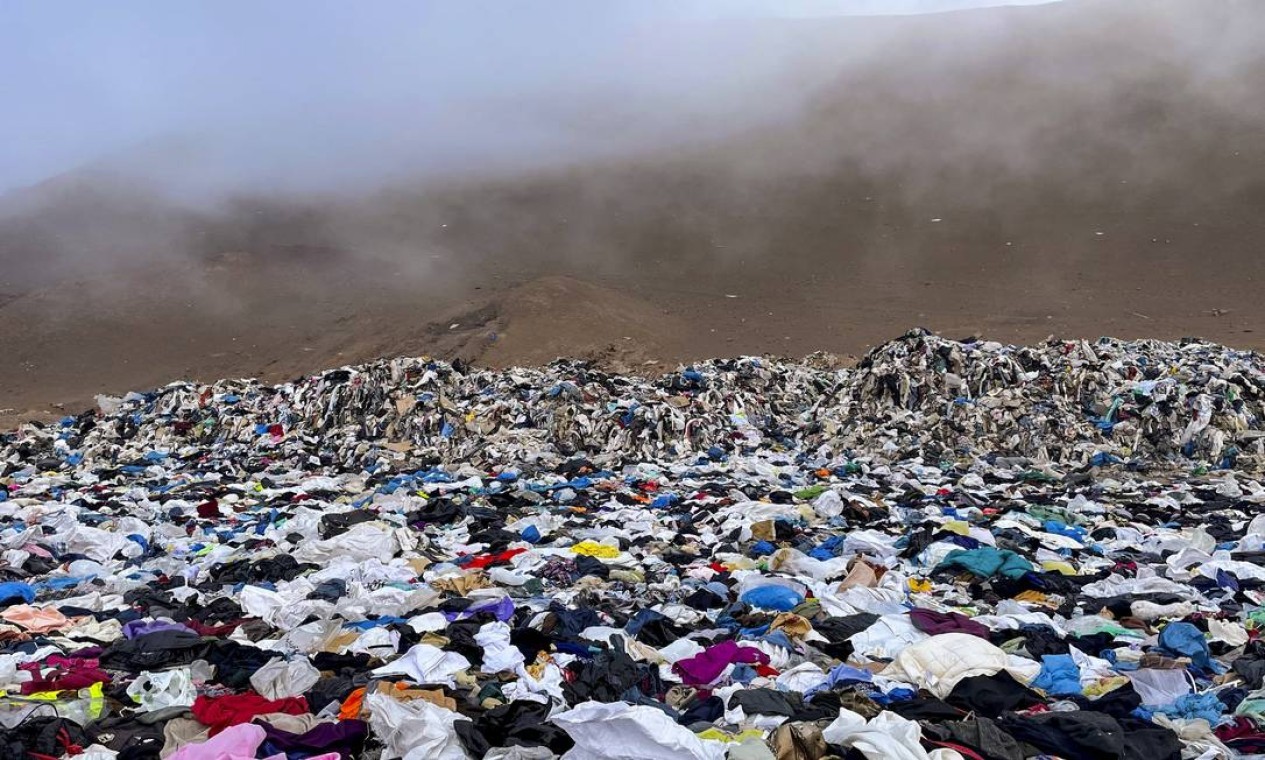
[1070, 403]
[414, 560]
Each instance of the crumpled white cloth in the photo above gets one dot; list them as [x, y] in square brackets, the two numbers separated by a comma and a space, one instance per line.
[1230, 632]
[887, 636]
[797, 563]
[620, 731]
[376, 642]
[1159, 687]
[1197, 735]
[426, 664]
[285, 678]
[97, 752]
[282, 610]
[418, 730]
[887, 737]
[361, 543]
[801, 678]
[1116, 585]
[100, 545]
[498, 653]
[940, 662]
[162, 689]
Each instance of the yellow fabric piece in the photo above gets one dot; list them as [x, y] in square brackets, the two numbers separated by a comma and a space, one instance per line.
[1032, 597]
[1059, 567]
[740, 563]
[594, 549]
[957, 526]
[920, 586]
[1099, 688]
[95, 694]
[716, 735]
[791, 624]
[628, 576]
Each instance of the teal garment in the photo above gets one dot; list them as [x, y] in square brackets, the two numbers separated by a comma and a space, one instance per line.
[987, 562]
[1252, 708]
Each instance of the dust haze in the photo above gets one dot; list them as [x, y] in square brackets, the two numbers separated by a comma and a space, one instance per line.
[304, 188]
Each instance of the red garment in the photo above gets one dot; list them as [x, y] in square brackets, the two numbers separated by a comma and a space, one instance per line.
[203, 629]
[487, 560]
[221, 712]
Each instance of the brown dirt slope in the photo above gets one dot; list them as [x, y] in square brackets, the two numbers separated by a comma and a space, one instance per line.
[1084, 168]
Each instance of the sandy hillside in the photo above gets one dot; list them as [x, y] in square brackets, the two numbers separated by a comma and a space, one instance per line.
[1078, 169]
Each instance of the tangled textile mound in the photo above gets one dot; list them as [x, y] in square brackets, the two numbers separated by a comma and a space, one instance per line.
[746, 559]
[1066, 403]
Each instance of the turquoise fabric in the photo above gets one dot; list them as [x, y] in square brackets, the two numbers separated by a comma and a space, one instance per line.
[987, 562]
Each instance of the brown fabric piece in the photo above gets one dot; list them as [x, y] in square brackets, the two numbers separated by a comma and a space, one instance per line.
[295, 724]
[433, 696]
[435, 639]
[181, 731]
[861, 575]
[798, 741]
[680, 696]
[341, 641]
[763, 530]
[462, 585]
[1134, 623]
[1152, 660]
[860, 704]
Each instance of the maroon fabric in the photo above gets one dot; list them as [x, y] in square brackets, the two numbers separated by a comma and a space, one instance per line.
[63, 674]
[932, 623]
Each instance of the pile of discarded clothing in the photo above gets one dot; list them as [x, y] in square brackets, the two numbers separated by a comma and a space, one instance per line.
[1073, 403]
[1067, 401]
[954, 550]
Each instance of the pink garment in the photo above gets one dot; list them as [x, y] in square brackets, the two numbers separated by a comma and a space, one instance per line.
[239, 742]
[706, 666]
[36, 619]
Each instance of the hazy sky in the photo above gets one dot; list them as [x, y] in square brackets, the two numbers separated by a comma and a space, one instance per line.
[291, 86]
